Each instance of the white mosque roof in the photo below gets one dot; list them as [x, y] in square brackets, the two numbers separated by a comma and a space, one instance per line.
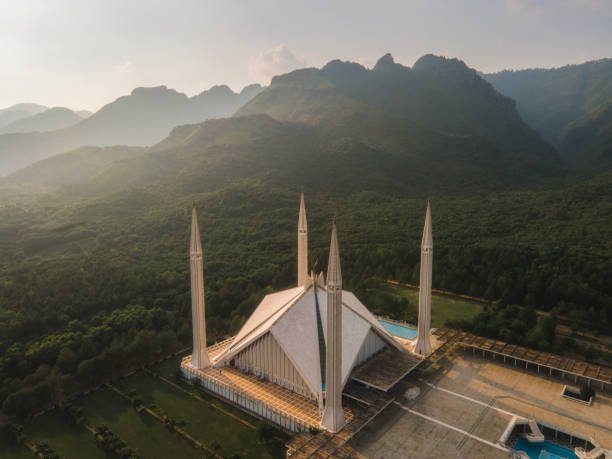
[291, 317]
[266, 313]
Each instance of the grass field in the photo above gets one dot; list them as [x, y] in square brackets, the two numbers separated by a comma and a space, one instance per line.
[56, 429]
[145, 435]
[222, 427]
[443, 308]
[202, 420]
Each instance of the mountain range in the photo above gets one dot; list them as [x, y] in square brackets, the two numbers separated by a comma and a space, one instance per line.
[566, 123]
[144, 117]
[437, 93]
[342, 128]
[397, 125]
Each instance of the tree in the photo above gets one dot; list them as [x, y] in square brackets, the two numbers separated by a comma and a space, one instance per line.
[66, 360]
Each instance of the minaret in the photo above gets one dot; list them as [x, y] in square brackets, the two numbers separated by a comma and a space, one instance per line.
[333, 414]
[423, 343]
[199, 357]
[302, 242]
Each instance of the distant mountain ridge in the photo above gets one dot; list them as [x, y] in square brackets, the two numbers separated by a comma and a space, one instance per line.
[554, 100]
[142, 118]
[436, 93]
[16, 112]
[29, 108]
[48, 120]
[550, 99]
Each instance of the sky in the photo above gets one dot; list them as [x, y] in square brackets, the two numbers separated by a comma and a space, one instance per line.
[85, 54]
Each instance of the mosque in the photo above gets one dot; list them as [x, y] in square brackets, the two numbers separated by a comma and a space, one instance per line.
[313, 360]
[305, 349]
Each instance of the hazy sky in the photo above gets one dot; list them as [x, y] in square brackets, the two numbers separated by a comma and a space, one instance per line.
[84, 54]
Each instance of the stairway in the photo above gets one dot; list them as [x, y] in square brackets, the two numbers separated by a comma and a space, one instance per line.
[536, 435]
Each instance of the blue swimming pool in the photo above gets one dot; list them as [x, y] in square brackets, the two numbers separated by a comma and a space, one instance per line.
[398, 330]
[552, 450]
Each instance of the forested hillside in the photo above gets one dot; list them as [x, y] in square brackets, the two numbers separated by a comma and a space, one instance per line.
[568, 106]
[436, 93]
[587, 141]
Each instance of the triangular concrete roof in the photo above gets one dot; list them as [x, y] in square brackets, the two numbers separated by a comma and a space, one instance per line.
[290, 316]
[266, 313]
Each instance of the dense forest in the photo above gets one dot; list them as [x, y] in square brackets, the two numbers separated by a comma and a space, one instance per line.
[109, 290]
[94, 262]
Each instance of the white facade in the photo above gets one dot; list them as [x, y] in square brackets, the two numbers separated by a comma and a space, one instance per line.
[245, 401]
[293, 318]
[266, 359]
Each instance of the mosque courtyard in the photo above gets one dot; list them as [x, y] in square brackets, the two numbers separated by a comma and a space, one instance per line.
[466, 404]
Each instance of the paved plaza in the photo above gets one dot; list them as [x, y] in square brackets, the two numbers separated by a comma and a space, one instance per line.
[465, 406]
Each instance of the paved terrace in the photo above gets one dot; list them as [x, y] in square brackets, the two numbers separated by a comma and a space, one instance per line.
[364, 404]
[385, 369]
[528, 395]
[573, 370]
[435, 425]
[465, 405]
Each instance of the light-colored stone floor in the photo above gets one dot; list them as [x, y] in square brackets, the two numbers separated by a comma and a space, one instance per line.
[530, 395]
[400, 434]
[459, 427]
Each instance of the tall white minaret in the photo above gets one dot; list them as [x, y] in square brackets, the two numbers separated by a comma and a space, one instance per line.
[423, 342]
[302, 242]
[199, 357]
[333, 414]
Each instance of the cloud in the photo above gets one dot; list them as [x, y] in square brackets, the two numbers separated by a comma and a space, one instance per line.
[123, 67]
[272, 62]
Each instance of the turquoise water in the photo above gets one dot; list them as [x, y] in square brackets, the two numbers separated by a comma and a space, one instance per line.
[549, 450]
[399, 330]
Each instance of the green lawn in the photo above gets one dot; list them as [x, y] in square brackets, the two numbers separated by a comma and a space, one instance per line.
[56, 429]
[148, 437]
[201, 420]
[9, 450]
[443, 308]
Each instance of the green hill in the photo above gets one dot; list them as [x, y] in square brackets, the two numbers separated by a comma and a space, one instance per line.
[587, 141]
[436, 93]
[551, 99]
